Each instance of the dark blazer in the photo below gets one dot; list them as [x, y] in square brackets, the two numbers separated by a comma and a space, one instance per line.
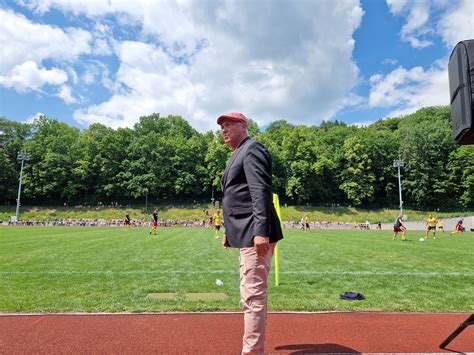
[248, 201]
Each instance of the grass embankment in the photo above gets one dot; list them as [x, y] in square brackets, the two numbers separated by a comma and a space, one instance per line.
[290, 213]
[78, 269]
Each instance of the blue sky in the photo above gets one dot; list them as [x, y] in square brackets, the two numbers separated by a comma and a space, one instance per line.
[113, 61]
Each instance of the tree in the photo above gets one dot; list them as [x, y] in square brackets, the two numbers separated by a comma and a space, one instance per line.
[327, 125]
[357, 176]
[53, 151]
[167, 158]
[382, 148]
[273, 138]
[461, 175]
[217, 155]
[330, 146]
[306, 168]
[426, 144]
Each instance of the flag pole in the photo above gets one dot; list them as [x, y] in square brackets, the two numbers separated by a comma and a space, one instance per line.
[276, 203]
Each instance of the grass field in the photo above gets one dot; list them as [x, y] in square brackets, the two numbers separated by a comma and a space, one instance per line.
[61, 269]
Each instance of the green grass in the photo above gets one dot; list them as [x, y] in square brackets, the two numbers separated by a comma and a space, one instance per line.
[61, 269]
[290, 213]
[52, 213]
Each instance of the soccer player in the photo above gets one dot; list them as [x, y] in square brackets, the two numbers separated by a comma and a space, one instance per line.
[399, 227]
[440, 225]
[154, 224]
[459, 228]
[127, 221]
[306, 223]
[431, 226]
[217, 218]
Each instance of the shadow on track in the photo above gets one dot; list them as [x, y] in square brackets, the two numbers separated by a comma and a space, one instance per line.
[316, 348]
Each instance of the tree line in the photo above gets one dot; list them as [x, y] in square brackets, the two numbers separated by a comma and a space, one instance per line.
[164, 159]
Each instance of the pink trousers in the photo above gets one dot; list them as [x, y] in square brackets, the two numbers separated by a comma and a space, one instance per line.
[253, 293]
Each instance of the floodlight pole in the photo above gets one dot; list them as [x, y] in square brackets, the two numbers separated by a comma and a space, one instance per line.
[22, 157]
[398, 164]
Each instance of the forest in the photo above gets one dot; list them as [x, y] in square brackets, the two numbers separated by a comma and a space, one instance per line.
[164, 159]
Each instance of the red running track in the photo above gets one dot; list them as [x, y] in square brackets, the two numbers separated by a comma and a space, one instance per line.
[217, 333]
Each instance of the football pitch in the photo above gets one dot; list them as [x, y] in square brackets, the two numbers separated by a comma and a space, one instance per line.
[93, 269]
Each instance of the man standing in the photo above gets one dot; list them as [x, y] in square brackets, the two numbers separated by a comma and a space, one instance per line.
[251, 223]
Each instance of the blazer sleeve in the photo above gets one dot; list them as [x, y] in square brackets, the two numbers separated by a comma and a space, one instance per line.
[258, 172]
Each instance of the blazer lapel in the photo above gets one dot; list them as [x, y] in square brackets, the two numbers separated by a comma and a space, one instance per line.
[227, 168]
[229, 164]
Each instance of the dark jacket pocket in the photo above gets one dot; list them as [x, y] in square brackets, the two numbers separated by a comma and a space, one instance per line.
[240, 211]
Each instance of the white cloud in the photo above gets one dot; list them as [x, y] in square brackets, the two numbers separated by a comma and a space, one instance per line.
[27, 76]
[405, 91]
[72, 75]
[457, 23]
[454, 23]
[397, 6]
[150, 82]
[25, 45]
[390, 61]
[201, 58]
[65, 93]
[22, 40]
[93, 8]
[31, 119]
[227, 57]
[417, 14]
[102, 40]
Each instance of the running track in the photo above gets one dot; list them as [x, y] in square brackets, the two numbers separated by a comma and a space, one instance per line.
[220, 333]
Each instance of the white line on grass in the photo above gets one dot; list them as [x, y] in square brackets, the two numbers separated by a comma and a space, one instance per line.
[206, 272]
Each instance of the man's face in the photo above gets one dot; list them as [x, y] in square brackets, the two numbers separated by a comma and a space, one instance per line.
[233, 132]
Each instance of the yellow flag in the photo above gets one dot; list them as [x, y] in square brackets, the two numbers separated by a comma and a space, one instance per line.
[276, 203]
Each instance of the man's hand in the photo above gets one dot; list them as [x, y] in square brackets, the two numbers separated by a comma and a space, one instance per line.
[261, 245]
[224, 242]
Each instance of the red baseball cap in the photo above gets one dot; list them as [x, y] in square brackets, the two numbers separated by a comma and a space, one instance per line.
[234, 116]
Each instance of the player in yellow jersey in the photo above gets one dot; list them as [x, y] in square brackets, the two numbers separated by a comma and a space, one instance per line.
[217, 218]
[306, 223]
[440, 225]
[431, 226]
